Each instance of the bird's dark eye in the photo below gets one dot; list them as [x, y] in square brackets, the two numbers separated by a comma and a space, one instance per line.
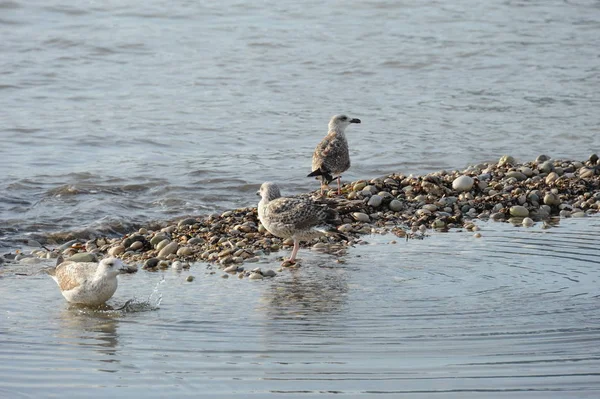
[343, 118]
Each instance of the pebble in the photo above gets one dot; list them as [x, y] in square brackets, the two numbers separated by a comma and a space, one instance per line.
[395, 205]
[375, 201]
[551, 199]
[517, 175]
[157, 239]
[186, 222]
[115, 251]
[552, 177]
[189, 279]
[255, 276]
[527, 222]
[177, 265]
[361, 217]
[477, 235]
[196, 241]
[546, 167]
[506, 160]
[519, 211]
[163, 244]
[136, 245]
[231, 269]
[542, 158]
[585, 173]
[184, 251]
[463, 183]
[168, 249]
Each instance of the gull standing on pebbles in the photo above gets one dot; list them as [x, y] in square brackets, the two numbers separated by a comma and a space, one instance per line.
[87, 283]
[301, 219]
[331, 157]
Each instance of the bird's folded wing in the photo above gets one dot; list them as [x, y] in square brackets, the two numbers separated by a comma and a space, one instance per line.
[71, 275]
[299, 213]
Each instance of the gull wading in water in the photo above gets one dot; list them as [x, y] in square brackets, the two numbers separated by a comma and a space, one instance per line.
[87, 283]
[331, 157]
[301, 219]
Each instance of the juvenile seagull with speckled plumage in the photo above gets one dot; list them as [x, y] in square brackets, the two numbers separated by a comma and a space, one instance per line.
[331, 157]
[87, 283]
[301, 219]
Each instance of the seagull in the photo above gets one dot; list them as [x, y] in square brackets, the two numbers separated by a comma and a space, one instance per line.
[301, 219]
[87, 283]
[331, 157]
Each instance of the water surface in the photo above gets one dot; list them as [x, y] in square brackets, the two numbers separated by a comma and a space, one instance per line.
[511, 314]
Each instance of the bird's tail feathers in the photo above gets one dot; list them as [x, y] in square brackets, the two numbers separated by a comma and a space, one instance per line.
[325, 175]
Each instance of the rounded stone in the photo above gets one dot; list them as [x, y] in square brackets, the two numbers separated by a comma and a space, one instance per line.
[151, 263]
[157, 239]
[375, 201]
[517, 175]
[186, 222]
[506, 160]
[84, 257]
[527, 222]
[196, 241]
[184, 251]
[438, 224]
[163, 244]
[551, 199]
[231, 269]
[177, 265]
[519, 211]
[395, 205]
[542, 158]
[269, 273]
[189, 279]
[546, 167]
[168, 249]
[136, 245]
[463, 183]
[526, 170]
[552, 177]
[255, 276]
[361, 217]
[585, 173]
[118, 250]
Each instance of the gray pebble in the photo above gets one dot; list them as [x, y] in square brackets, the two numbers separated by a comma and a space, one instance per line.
[375, 201]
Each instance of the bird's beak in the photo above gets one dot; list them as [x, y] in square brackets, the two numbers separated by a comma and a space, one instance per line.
[355, 120]
[127, 269]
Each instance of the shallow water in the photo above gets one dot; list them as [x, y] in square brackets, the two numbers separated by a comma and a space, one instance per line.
[511, 314]
[119, 113]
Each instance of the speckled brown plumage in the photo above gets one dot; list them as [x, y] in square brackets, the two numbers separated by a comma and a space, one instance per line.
[289, 217]
[332, 157]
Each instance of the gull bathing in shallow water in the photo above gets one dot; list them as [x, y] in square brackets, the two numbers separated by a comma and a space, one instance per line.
[87, 283]
[298, 218]
[331, 157]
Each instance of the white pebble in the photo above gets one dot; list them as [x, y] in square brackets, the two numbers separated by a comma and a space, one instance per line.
[463, 183]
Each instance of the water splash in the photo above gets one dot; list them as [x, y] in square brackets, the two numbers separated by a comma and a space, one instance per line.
[151, 303]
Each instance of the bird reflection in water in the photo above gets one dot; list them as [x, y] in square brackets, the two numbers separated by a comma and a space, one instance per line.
[319, 287]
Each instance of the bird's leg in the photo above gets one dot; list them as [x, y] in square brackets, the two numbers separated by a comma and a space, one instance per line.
[339, 185]
[295, 250]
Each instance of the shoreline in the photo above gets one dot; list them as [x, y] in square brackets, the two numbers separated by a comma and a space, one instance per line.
[520, 193]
